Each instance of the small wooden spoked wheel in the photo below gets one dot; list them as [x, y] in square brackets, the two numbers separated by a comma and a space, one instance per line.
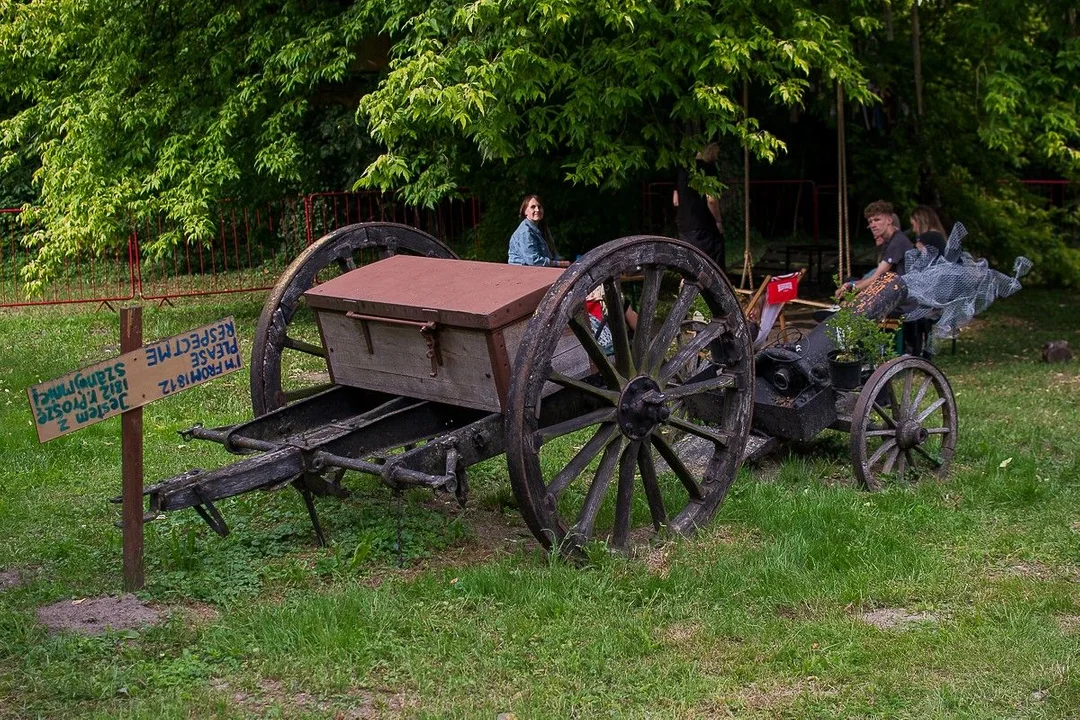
[903, 424]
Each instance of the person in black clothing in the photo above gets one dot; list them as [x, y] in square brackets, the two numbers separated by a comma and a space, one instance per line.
[698, 216]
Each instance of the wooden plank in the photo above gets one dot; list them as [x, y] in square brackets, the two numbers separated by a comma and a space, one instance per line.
[131, 444]
[399, 363]
[95, 393]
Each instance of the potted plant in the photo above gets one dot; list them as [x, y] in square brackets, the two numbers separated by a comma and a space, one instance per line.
[859, 341]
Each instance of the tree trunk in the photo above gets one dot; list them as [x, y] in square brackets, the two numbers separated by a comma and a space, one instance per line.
[916, 56]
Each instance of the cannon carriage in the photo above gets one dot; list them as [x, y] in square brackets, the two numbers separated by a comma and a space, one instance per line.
[435, 364]
[901, 415]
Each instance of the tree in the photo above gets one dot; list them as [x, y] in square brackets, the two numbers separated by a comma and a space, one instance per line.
[136, 109]
[1001, 90]
[131, 110]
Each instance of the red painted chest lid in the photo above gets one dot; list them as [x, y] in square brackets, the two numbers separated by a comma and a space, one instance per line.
[462, 293]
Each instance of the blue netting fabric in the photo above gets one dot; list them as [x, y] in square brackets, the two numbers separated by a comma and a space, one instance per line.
[954, 287]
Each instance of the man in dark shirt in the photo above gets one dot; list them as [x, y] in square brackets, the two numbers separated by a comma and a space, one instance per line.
[892, 243]
[698, 216]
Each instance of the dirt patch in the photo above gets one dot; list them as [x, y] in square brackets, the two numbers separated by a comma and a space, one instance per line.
[770, 698]
[1028, 570]
[679, 634]
[795, 612]
[193, 614]
[657, 560]
[495, 534]
[1031, 570]
[894, 618]
[1068, 624]
[92, 616]
[9, 579]
[1066, 380]
[354, 705]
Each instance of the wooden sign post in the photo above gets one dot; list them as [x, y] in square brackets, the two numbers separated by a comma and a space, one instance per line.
[121, 386]
[131, 442]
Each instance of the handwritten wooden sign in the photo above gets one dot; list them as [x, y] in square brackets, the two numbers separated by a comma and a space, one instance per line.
[134, 379]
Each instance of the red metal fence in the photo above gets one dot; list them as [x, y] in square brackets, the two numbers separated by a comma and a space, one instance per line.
[249, 249]
[83, 276]
[1063, 197]
[252, 245]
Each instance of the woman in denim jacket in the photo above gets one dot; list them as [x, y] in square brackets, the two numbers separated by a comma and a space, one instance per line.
[530, 244]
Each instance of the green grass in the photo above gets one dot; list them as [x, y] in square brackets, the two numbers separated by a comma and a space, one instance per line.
[407, 614]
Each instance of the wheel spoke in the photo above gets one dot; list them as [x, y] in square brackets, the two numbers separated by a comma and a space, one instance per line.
[596, 353]
[718, 437]
[921, 392]
[885, 447]
[594, 498]
[905, 398]
[890, 458]
[650, 297]
[620, 336]
[652, 488]
[930, 409]
[701, 340]
[885, 416]
[546, 434]
[880, 433]
[581, 460]
[609, 396]
[938, 462]
[625, 497]
[901, 464]
[676, 464]
[723, 381]
[670, 327]
[938, 431]
[304, 347]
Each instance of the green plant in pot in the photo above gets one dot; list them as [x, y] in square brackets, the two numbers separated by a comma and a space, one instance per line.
[859, 341]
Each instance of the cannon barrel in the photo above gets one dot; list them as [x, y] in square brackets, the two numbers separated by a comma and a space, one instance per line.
[793, 396]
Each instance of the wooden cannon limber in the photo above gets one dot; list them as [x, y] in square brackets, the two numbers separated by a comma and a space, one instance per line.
[437, 364]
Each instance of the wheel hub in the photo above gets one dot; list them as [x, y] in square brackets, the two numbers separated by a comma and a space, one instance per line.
[641, 408]
[910, 434]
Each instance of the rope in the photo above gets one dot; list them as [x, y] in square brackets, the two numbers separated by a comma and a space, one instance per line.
[843, 264]
[747, 279]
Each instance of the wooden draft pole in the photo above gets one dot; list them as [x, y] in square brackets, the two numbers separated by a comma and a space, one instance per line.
[746, 281]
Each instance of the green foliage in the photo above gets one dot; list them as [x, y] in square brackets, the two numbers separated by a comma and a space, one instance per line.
[857, 337]
[135, 110]
[1001, 87]
[608, 90]
[117, 111]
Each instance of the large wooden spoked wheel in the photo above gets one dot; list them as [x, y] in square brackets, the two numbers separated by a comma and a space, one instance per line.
[589, 446]
[282, 358]
[903, 424]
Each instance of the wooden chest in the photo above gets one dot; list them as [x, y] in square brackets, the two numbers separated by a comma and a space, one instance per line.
[436, 329]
